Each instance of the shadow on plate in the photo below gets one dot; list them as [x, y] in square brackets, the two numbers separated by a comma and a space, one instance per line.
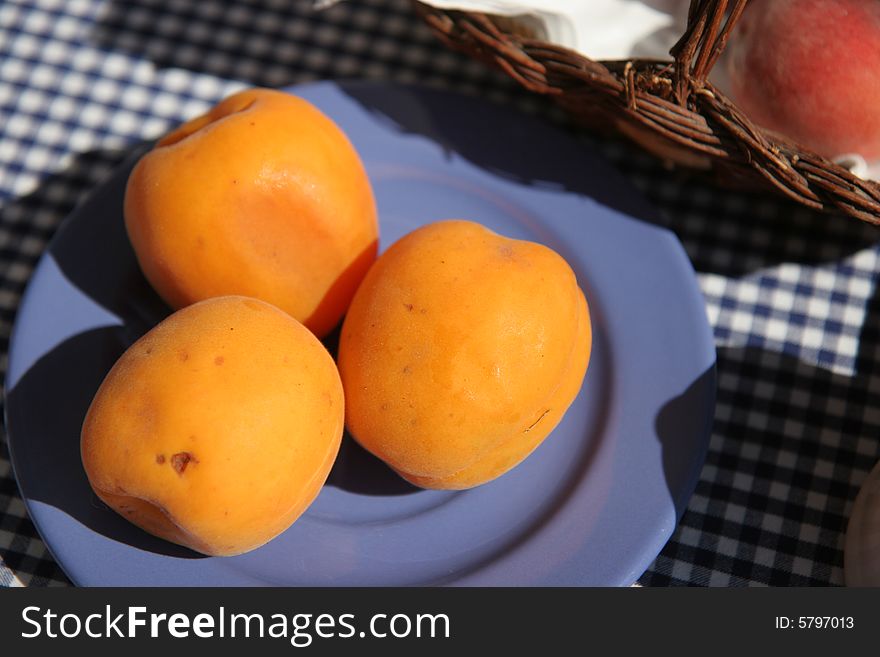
[518, 147]
[676, 422]
[357, 471]
[93, 251]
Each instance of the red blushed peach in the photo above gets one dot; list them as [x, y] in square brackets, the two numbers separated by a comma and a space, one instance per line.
[810, 70]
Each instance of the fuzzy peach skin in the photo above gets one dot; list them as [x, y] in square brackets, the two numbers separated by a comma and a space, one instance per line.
[262, 196]
[810, 70]
[461, 352]
[217, 428]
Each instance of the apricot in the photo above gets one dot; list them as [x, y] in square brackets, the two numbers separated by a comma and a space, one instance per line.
[217, 428]
[262, 196]
[461, 352]
[810, 70]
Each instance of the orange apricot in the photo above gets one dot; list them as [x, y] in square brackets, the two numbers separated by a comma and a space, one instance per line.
[217, 428]
[262, 196]
[461, 352]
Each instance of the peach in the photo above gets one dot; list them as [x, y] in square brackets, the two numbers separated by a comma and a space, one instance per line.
[810, 70]
[217, 428]
[263, 196]
[461, 351]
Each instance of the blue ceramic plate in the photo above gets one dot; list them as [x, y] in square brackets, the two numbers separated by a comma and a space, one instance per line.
[592, 506]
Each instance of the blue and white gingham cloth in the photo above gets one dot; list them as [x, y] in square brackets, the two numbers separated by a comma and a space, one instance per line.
[791, 294]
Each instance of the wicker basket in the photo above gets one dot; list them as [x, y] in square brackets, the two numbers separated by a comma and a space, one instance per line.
[669, 107]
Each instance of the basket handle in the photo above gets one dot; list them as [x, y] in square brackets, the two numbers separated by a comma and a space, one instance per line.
[709, 26]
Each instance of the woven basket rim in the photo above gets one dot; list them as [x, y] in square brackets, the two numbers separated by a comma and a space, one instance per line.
[669, 107]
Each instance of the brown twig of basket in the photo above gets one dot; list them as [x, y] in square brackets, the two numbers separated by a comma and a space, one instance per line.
[669, 107]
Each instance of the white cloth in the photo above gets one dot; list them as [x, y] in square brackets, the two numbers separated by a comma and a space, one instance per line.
[599, 29]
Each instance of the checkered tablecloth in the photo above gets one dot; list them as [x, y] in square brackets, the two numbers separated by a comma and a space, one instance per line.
[790, 294]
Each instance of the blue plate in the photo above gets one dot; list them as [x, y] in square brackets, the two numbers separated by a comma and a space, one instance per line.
[593, 505]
